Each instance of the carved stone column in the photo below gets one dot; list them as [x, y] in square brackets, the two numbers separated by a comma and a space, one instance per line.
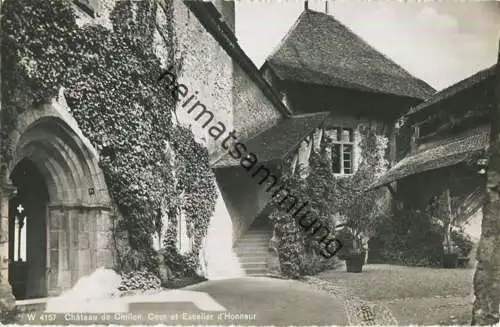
[7, 300]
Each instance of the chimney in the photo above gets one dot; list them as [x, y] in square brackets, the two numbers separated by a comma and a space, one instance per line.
[326, 7]
[306, 5]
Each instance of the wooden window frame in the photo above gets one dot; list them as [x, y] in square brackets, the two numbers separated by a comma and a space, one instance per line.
[342, 144]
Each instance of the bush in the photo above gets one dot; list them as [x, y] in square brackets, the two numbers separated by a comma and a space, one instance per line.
[314, 264]
[409, 237]
[9, 316]
[463, 241]
[412, 237]
[142, 280]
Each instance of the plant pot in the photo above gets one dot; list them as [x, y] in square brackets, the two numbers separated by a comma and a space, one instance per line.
[355, 262]
[450, 260]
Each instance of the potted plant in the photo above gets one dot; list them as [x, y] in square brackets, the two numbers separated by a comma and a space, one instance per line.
[447, 219]
[353, 250]
[450, 254]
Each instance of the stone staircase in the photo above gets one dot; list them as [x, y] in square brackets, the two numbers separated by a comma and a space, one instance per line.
[252, 248]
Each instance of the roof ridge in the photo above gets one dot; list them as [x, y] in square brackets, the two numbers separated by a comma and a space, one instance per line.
[285, 37]
[319, 41]
[382, 54]
[458, 137]
[309, 114]
[454, 88]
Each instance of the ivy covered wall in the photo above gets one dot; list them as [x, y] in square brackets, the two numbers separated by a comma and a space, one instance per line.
[330, 198]
[153, 166]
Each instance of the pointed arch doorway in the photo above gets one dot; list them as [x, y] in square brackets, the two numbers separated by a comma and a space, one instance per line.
[28, 232]
[58, 224]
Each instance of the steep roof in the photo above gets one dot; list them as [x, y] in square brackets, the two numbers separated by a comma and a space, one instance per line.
[320, 50]
[454, 89]
[443, 153]
[278, 141]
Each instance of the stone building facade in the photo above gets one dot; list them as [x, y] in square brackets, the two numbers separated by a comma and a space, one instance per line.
[320, 65]
[69, 233]
[276, 112]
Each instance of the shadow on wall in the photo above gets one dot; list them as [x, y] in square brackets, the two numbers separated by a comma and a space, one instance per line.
[219, 258]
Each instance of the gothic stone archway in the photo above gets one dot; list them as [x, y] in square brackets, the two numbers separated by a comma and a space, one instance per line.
[78, 222]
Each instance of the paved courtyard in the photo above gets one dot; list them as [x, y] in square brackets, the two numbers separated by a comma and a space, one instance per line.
[242, 301]
[414, 295]
[380, 295]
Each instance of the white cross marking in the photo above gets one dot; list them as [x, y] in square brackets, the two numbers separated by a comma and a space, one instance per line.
[20, 208]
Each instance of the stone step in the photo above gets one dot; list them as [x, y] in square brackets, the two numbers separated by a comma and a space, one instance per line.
[256, 237]
[252, 243]
[253, 271]
[258, 275]
[249, 261]
[253, 255]
[32, 305]
[251, 249]
[252, 258]
[264, 229]
[254, 265]
[258, 232]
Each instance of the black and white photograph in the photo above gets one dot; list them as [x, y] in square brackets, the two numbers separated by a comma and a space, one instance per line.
[249, 162]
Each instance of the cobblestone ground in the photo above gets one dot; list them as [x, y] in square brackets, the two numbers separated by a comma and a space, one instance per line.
[359, 312]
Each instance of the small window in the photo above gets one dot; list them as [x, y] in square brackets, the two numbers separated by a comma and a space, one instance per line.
[347, 159]
[341, 142]
[347, 135]
[337, 169]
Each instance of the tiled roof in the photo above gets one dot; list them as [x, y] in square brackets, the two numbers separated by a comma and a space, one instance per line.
[455, 88]
[278, 141]
[320, 50]
[444, 153]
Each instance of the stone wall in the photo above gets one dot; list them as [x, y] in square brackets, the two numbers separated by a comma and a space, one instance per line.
[206, 70]
[6, 297]
[218, 80]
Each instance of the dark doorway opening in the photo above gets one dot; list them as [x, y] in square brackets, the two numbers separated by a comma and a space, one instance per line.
[28, 232]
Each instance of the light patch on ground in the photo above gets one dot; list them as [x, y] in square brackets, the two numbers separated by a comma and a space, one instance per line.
[98, 293]
[91, 293]
[201, 300]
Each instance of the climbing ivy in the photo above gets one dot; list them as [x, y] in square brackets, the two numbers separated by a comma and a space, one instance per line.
[328, 196]
[152, 167]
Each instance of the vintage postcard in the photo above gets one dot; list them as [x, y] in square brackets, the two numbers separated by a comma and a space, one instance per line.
[254, 163]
